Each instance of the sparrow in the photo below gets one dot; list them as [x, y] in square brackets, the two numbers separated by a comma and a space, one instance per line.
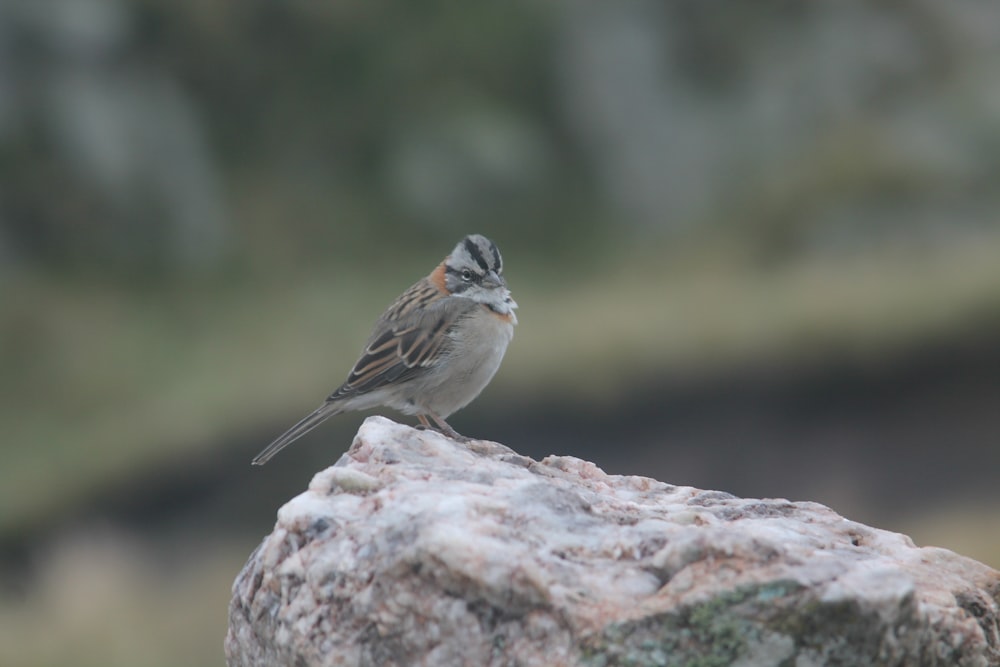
[433, 350]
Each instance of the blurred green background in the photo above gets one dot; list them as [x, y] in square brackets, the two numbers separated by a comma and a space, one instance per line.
[756, 248]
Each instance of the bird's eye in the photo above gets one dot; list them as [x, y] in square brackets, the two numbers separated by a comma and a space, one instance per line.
[466, 275]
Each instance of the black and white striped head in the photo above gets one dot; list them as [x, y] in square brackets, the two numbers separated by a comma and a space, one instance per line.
[474, 270]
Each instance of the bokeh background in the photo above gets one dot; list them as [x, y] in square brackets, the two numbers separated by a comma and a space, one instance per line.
[756, 248]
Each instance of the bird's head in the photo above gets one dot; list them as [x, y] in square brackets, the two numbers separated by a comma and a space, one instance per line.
[474, 270]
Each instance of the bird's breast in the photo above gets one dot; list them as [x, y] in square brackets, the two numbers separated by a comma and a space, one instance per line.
[478, 346]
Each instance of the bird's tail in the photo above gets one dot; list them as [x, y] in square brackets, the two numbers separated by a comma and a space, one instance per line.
[306, 424]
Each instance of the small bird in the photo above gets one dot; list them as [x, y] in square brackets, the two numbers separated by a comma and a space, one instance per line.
[433, 350]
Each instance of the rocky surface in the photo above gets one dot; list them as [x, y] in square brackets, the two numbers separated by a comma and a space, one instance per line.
[417, 550]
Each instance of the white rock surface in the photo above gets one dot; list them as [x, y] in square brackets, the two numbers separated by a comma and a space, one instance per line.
[417, 550]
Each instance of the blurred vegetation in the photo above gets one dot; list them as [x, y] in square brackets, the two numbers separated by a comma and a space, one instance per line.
[204, 205]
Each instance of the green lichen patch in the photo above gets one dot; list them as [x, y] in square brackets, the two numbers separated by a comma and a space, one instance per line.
[711, 633]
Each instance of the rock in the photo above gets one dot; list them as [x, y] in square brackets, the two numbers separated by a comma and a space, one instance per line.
[417, 550]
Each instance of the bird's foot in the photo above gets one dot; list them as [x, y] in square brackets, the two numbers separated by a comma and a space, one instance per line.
[443, 428]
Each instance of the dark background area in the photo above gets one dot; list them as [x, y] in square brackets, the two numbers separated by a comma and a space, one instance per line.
[755, 248]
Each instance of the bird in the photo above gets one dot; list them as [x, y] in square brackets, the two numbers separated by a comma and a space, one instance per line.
[433, 350]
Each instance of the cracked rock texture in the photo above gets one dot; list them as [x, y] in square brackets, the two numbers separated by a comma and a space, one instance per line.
[417, 550]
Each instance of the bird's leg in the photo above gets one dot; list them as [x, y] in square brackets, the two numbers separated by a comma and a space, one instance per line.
[424, 424]
[448, 430]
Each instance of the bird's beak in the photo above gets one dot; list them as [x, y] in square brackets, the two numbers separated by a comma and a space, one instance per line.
[492, 279]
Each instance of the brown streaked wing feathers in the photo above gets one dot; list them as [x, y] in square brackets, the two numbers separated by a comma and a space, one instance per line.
[410, 335]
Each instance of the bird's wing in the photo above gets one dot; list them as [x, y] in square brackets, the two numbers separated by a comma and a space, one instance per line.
[410, 336]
